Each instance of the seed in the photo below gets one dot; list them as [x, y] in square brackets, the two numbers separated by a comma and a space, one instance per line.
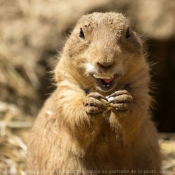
[106, 103]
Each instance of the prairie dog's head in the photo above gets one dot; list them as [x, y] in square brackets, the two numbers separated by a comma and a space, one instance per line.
[103, 50]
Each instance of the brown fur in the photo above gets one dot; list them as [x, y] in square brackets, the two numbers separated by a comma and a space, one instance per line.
[74, 132]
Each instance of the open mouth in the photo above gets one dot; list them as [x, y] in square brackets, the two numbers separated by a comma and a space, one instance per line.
[105, 81]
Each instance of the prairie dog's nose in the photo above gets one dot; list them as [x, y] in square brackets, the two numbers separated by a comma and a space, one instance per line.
[105, 64]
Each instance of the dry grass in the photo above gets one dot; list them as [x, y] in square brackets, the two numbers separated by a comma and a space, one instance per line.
[14, 130]
[167, 143]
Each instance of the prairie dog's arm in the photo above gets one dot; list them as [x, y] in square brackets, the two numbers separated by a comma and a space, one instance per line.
[128, 123]
[134, 105]
[73, 112]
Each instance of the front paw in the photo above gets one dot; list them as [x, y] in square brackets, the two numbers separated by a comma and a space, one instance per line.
[120, 100]
[93, 104]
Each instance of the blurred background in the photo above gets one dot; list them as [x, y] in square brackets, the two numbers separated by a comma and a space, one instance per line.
[33, 32]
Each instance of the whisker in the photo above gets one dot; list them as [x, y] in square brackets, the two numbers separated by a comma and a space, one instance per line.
[159, 58]
[90, 86]
[134, 65]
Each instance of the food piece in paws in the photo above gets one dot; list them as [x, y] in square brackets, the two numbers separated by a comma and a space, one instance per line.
[106, 103]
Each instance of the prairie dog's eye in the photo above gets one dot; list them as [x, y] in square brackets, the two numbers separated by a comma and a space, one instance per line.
[128, 35]
[81, 34]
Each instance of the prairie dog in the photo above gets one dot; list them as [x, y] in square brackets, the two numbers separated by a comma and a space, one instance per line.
[98, 119]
